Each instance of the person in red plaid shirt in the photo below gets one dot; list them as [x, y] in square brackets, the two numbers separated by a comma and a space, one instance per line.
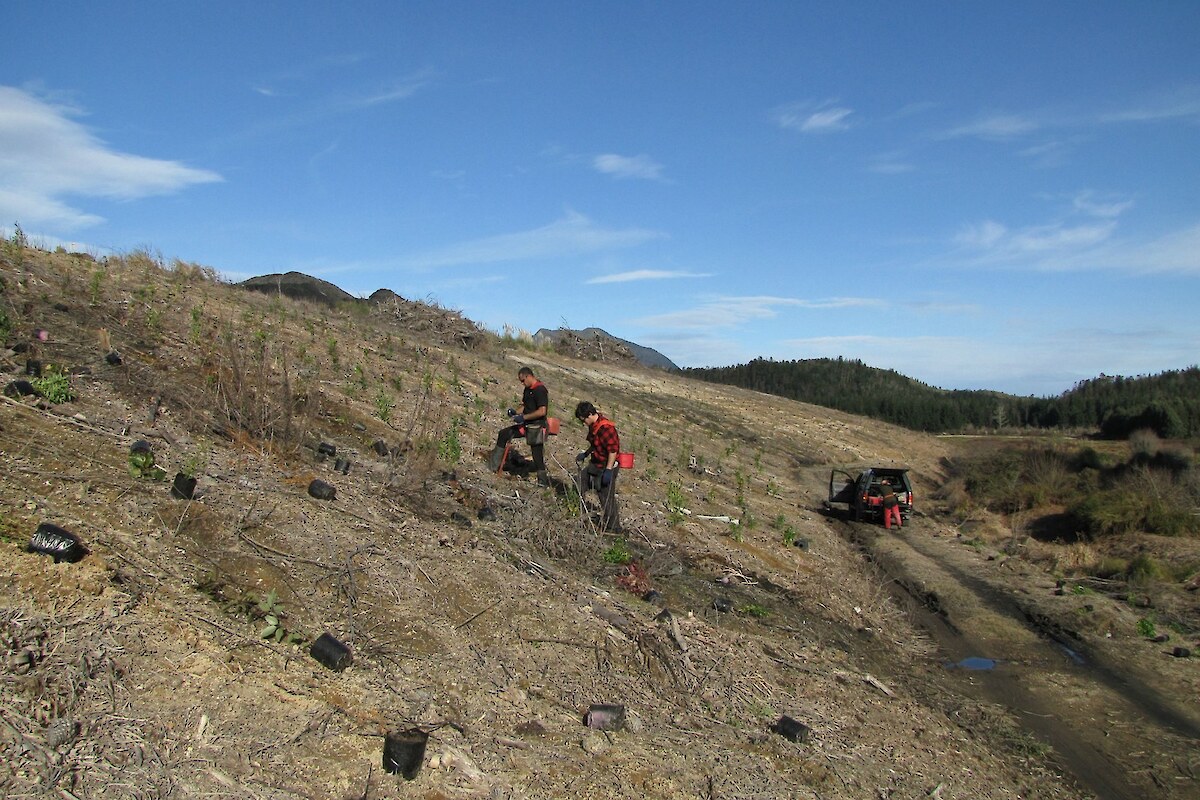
[598, 465]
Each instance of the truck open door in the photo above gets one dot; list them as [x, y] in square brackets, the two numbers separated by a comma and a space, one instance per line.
[841, 489]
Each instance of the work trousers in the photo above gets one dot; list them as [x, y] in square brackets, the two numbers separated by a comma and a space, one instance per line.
[537, 451]
[589, 477]
[888, 513]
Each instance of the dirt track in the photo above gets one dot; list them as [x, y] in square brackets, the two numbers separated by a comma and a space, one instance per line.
[1122, 729]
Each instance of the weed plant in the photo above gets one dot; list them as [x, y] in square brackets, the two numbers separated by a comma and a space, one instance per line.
[54, 385]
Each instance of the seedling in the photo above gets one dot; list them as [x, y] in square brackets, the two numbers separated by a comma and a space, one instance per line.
[618, 553]
[384, 405]
[54, 385]
[789, 536]
[142, 464]
[675, 501]
[754, 610]
[1146, 629]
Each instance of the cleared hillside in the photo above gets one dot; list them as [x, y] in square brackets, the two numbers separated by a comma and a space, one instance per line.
[479, 608]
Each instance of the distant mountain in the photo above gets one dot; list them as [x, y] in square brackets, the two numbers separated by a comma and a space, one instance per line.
[299, 286]
[647, 356]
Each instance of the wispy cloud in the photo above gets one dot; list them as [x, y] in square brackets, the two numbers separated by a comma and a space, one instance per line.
[1093, 204]
[1086, 239]
[399, 89]
[894, 163]
[1034, 240]
[1181, 104]
[1047, 154]
[573, 235]
[640, 166]
[728, 312]
[807, 118]
[646, 275]
[1177, 252]
[1088, 246]
[994, 127]
[45, 155]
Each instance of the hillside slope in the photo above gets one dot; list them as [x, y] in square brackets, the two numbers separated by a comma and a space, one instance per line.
[483, 610]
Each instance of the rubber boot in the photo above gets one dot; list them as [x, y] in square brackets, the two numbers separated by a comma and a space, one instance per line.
[543, 478]
[495, 458]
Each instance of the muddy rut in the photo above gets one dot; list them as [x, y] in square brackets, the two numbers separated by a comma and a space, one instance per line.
[1120, 733]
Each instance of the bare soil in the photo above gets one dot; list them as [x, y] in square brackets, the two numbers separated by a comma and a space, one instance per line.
[482, 609]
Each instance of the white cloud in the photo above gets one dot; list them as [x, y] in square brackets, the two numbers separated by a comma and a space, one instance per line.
[998, 126]
[640, 166]
[645, 275]
[890, 164]
[1178, 251]
[45, 155]
[806, 118]
[1031, 360]
[573, 235]
[1181, 104]
[981, 234]
[729, 312]
[1058, 237]
[400, 89]
[1089, 203]
[1000, 243]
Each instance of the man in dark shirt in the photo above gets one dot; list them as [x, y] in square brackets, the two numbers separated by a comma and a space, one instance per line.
[530, 423]
[598, 466]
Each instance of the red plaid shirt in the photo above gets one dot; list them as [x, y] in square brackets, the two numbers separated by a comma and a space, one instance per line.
[602, 436]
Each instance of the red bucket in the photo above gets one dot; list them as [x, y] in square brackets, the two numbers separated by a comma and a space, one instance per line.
[625, 460]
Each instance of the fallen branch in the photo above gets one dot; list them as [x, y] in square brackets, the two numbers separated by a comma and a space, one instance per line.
[478, 614]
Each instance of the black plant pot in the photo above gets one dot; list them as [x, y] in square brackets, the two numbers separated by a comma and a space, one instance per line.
[791, 729]
[321, 490]
[184, 487]
[330, 652]
[54, 541]
[404, 752]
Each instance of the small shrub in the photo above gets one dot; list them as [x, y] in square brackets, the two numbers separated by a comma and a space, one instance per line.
[1087, 458]
[54, 385]
[1112, 567]
[1143, 569]
[142, 465]
[754, 610]
[384, 405]
[618, 553]
[1146, 629]
[789, 536]
[196, 462]
[450, 447]
[675, 501]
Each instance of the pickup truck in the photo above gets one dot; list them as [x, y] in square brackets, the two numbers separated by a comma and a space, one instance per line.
[862, 495]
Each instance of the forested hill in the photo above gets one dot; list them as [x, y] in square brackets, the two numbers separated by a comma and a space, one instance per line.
[1168, 403]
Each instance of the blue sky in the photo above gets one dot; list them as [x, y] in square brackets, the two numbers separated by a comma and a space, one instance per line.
[1000, 195]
